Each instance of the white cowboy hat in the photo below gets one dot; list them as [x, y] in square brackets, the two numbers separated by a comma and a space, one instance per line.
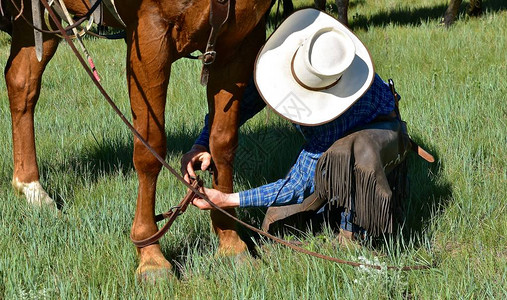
[312, 68]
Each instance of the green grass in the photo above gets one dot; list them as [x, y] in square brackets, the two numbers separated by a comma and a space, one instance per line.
[455, 103]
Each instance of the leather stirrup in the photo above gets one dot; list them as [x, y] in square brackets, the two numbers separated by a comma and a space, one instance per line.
[37, 22]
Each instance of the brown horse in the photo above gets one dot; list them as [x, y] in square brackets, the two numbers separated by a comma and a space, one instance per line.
[449, 16]
[158, 32]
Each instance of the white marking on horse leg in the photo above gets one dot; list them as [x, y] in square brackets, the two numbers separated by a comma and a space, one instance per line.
[33, 192]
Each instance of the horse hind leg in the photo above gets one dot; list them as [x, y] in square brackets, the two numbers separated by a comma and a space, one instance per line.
[475, 8]
[451, 13]
[23, 73]
[320, 4]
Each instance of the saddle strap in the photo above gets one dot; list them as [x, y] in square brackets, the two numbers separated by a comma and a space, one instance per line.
[37, 22]
[171, 215]
[111, 7]
[97, 13]
[219, 13]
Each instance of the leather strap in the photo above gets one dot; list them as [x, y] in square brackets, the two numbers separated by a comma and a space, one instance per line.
[413, 145]
[111, 6]
[68, 28]
[421, 152]
[37, 22]
[171, 214]
[219, 13]
[277, 213]
[97, 14]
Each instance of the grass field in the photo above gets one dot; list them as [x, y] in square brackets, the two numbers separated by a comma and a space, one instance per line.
[453, 84]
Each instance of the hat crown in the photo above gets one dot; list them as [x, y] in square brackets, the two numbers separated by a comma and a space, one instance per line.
[303, 86]
[322, 58]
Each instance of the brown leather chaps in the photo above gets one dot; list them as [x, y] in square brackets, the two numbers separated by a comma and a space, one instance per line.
[364, 171]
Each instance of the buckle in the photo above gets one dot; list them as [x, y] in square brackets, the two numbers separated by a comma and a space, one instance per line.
[175, 208]
[208, 57]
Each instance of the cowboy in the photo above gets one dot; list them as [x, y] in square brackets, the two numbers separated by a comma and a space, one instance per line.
[316, 73]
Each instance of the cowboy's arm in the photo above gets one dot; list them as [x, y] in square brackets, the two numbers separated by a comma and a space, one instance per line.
[222, 200]
[294, 188]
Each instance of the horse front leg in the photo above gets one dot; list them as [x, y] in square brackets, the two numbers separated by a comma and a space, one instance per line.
[225, 89]
[148, 71]
[223, 143]
[23, 74]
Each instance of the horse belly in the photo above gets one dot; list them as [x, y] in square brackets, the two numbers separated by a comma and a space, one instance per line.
[190, 26]
[247, 15]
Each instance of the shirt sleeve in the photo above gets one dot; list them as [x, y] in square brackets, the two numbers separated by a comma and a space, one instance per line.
[203, 138]
[250, 105]
[294, 188]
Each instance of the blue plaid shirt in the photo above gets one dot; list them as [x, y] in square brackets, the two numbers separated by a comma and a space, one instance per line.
[299, 183]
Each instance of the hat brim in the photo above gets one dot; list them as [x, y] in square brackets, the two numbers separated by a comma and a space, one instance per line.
[289, 99]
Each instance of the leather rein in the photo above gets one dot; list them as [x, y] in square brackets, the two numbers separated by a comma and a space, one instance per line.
[195, 189]
[68, 28]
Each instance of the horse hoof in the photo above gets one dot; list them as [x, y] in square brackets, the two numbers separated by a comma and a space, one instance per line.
[152, 274]
[236, 249]
[240, 260]
[152, 265]
[34, 193]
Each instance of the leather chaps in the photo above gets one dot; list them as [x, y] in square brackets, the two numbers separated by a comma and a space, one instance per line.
[364, 171]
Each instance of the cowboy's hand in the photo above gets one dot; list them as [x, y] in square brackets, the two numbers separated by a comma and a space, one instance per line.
[198, 155]
[220, 199]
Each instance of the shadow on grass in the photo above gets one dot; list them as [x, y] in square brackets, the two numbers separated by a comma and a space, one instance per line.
[429, 194]
[400, 16]
[274, 145]
[103, 158]
[415, 17]
[405, 16]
